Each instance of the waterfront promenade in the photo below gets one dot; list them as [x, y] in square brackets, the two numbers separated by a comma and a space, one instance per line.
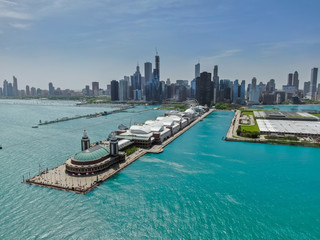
[57, 177]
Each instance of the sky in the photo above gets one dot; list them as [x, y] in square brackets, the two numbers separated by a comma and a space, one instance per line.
[72, 43]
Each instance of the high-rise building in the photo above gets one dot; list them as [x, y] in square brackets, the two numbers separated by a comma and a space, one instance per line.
[197, 70]
[157, 59]
[254, 93]
[271, 86]
[306, 88]
[215, 84]
[95, 88]
[27, 90]
[5, 88]
[243, 92]
[203, 88]
[290, 77]
[147, 72]
[235, 95]
[296, 80]
[51, 89]
[123, 90]
[15, 91]
[313, 82]
[114, 90]
[33, 91]
[87, 90]
[10, 89]
[136, 79]
[1, 92]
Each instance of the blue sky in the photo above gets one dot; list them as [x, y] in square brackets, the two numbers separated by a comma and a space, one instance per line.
[72, 43]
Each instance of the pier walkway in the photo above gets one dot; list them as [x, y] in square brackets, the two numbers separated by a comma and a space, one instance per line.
[57, 177]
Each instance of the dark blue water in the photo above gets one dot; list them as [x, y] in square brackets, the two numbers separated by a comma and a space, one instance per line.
[200, 187]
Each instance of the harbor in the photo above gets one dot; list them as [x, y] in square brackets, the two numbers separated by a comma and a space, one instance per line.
[62, 179]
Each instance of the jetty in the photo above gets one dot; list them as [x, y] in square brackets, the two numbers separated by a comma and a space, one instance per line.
[58, 178]
[93, 115]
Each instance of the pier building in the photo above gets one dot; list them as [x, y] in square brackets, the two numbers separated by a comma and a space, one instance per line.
[94, 159]
[159, 130]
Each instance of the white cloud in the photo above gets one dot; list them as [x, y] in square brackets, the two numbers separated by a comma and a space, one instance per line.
[224, 54]
[20, 25]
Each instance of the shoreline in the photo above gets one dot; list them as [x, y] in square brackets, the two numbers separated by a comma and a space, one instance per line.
[232, 132]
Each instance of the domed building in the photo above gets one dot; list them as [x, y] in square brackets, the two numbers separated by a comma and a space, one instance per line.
[94, 159]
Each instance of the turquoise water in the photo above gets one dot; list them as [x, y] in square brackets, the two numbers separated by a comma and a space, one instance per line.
[200, 187]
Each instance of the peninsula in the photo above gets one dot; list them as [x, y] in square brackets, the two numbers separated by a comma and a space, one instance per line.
[275, 127]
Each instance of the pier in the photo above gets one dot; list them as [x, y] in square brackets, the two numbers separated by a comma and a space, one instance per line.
[58, 178]
[93, 115]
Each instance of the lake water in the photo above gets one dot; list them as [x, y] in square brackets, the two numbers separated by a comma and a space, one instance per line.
[200, 187]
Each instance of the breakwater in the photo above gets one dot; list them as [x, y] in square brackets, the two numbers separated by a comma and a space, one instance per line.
[93, 115]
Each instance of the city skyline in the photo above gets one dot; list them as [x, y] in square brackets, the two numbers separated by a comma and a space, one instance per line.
[75, 43]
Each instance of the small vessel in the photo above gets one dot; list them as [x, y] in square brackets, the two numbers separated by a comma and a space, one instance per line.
[35, 126]
[0, 146]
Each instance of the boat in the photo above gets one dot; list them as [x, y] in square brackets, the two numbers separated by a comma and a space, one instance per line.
[35, 126]
[0, 146]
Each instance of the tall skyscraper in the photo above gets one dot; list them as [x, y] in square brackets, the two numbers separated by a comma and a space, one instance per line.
[148, 72]
[27, 90]
[254, 93]
[306, 88]
[215, 84]
[313, 82]
[203, 88]
[296, 80]
[87, 90]
[15, 87]
[243, 92]
[95, 88]
[157, 59]
[123, 90]
[235, 92]
[136, 79]
[290, 76]
[5, 88]
[197, 70]
[114, 90]
[51, 89]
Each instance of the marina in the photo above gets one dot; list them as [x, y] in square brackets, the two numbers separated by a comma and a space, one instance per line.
[59, 177]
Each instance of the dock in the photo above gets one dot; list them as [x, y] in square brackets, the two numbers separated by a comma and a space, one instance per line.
[58, 178]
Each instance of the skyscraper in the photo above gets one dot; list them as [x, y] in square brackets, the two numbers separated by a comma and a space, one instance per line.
[114, 90]
[51, 89]
[290, 76]
[123, 90]
[243, 92]
[215, 84]
[5, 88]
[313, 82]
[235, 92]
[87, 90]
[306, 88]
[15, 91]
[148, 72]
[27, 90]
[95, 88]
[157, 59]
[136, 79]
[296, 80]
[197, 70]
[203, 88]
